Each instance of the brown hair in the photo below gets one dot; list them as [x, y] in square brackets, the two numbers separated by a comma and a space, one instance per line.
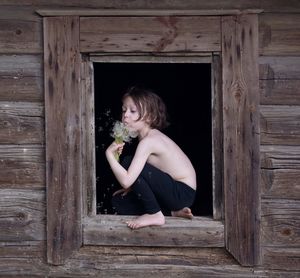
[150, 106]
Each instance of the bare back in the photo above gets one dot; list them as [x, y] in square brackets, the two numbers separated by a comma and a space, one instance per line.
[169, 158]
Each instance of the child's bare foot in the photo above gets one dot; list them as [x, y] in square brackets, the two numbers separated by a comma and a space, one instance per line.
[185, 213]
[144, 220]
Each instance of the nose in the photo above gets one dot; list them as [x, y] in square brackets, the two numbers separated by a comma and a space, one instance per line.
[125, 114]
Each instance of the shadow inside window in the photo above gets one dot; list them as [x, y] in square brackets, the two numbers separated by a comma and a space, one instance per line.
[186, 90]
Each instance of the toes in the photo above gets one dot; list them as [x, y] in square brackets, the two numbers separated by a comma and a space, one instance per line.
[132, 225]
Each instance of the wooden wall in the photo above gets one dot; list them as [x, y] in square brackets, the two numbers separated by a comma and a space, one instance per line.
[280, 139]
[22, 157]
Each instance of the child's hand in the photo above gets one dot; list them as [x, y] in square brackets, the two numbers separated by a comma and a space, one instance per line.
[115, 148]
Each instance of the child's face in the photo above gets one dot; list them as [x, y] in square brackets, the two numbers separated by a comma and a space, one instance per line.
[130, 113]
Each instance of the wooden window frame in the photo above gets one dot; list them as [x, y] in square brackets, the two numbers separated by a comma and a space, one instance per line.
[89, 201]
[71, 219]
[110, 229]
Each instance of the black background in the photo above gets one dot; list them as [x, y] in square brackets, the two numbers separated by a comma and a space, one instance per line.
[186, 90]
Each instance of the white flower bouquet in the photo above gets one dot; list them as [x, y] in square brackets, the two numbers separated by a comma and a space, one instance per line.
[121, 134]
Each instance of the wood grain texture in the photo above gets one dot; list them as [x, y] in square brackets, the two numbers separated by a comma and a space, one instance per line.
[280, 183]
[22, 215]
[280, 223]
[23, 249]
[22, 166]
[289, 6]
[63, 137]
[21, 78]
[285, 259]
[149, 34]
[280, 124]
[22, 196]
[217, 141]
[281, 92]
[279, 68]
[280, 156]
[279, 34]
[20, 30]
[241, 140]
[279, 80]
[21, 123]
[88, 139]
[112, 231]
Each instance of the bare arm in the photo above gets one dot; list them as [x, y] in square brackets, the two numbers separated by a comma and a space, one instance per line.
[127, 177]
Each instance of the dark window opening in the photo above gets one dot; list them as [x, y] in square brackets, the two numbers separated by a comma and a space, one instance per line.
[186, 90]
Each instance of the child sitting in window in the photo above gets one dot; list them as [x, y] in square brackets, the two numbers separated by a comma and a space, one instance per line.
[159, 177]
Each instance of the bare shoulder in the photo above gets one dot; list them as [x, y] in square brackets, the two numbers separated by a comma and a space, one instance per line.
[160, 142]
[153, 141]
[156, 137]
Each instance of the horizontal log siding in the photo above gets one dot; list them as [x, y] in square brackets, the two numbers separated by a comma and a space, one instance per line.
[280, 125]
[280, 138]
[281, 223]
[280, 157]
[22, 166]
[285, 259]
[281, 234]
[21, 78]
[280, 183]
[22, 215]
[279, 80]
[20, 30]
[22, 233]
[22, 250]
[21, 123]
[279, 34]
[143, 262]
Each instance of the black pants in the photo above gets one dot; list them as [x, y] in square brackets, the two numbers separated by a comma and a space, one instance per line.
[154, 190]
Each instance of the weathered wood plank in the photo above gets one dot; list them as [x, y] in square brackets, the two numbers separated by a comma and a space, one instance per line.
[23, 267]
[276, 156]
[280, 124]
[144, 263]
[20, 30]
[281, 183]
[279, 80]
[22, 215]
[81, 268]
[282, 258]
[241, 140]
[88, 139]
[112, 230]
[282, 92]
[217, 142]
[142, 12]
[63, 137]
[280, 223]
[22, 166]
[292, 6]
[21, 123]
[283, 68]
[154, 255]
[21, 78]
[149, 34]
[153, 262]
[279, 34]
[23, 249]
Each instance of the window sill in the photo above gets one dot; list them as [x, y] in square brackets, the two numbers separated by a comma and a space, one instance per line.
[112, 230]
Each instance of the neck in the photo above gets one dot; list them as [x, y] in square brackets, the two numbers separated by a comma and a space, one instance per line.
[144, 132]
